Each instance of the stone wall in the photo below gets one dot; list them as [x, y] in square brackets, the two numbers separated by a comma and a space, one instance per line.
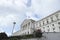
[47, 36]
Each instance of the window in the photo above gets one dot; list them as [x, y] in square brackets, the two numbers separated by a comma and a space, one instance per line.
[59, 27]
[25, 32]
[26, 25]
[53, 31]
[47, 21]
[48, 26]
[43, 27]
[29, 23]
[52, 24]
[32, 21]
[44, 31]
[56, 16]
[40, 25]
[52, 19]
[36, 24]
[53, 28]
[28, 32]
[48, 30]
[58, 22]
[43, 22]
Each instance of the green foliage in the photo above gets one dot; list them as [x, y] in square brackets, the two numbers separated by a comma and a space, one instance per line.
[27, 36]
[13, 39]
[37, 33]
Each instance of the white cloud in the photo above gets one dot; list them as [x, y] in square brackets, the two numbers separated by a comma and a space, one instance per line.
[10, 11]
[43, 7]
[11, 2]
[1, 30]
[16, 10]
[5, 20]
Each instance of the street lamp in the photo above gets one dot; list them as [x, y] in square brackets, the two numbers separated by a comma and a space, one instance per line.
[13, 26]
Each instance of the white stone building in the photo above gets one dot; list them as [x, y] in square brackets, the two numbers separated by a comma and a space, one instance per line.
[50, 23]
[27, 27]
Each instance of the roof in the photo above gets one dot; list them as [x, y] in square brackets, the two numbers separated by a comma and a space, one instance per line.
[26, 20]
[49, 15]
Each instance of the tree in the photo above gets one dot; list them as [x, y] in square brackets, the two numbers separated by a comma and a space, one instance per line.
[37, 33]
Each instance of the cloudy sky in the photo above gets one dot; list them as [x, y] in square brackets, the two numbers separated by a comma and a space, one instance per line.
[18, 10]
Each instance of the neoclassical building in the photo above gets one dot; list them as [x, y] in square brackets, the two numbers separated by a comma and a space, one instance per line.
[27, 27]
[50, 23]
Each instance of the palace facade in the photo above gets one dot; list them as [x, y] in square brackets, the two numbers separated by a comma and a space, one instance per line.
[50, 23]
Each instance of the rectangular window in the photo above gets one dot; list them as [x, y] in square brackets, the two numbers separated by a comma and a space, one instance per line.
[59, 27]
[56, 16]
[40, 25]
[59, 23]
[48, 30]
[29, 23]
[53, 29]
[52, 24]
[43, 22]
[44, 30]
[43, 27]
[52, 19]
[28, 32]
[47, 21]
[48, 26]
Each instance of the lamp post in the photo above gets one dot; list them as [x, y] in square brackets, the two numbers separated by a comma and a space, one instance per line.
[13, 26]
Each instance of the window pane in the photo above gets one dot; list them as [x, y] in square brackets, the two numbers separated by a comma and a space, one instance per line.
[53, 28]
[58, 22]
[52, 24]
